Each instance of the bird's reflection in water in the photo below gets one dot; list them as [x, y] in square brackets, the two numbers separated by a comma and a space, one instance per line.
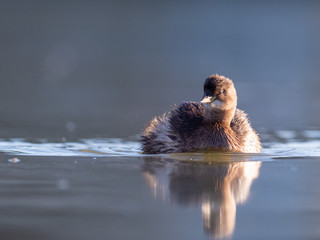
[216, 181]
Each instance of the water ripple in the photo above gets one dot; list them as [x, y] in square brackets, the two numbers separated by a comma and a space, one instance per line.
[85, 147]
[278, 144]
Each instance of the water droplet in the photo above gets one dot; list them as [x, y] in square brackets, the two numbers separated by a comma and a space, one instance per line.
[14, 160]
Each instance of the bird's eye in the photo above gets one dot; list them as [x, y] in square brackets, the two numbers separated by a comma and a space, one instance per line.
[222, 92]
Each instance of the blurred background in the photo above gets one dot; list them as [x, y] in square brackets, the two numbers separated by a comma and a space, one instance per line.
[105, 68]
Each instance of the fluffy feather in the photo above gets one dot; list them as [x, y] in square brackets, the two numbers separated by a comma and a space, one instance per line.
[183, 129]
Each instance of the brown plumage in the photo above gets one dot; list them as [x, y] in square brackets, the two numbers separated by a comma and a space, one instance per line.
[213, 124]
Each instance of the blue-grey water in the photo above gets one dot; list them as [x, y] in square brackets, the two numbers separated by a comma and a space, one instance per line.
[106, 189]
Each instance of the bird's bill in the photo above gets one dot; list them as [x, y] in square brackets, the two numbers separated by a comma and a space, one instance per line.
[208, 99]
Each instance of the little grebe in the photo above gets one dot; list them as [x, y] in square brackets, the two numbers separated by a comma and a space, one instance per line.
[213, 124]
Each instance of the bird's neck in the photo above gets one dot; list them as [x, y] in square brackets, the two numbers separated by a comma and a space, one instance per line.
[216, 116]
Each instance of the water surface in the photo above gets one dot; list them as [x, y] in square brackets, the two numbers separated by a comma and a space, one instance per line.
[106, 189]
